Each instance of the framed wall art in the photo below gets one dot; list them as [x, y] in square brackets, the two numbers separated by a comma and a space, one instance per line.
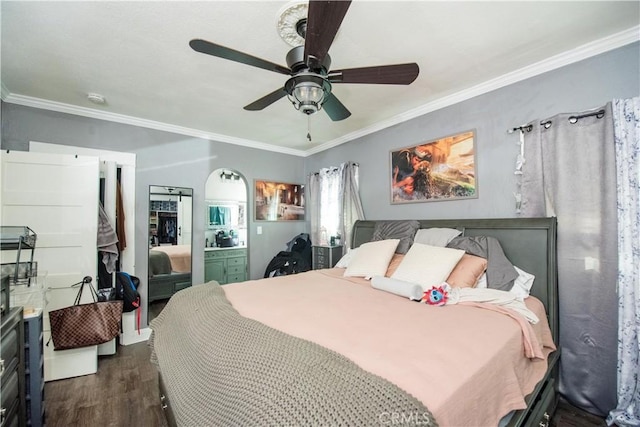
[278, 201]
[442, 169]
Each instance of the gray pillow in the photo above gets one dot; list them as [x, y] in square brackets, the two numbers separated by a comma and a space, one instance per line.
[403, 230]
[436, 236]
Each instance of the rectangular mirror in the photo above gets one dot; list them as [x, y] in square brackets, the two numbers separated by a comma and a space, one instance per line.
[221, 214]
[170, 232]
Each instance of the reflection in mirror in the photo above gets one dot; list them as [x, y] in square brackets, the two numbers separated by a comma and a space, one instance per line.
[225, 253]
[227, 213]
[169, 267]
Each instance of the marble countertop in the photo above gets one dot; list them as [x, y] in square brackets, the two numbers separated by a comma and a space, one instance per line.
[230, 247]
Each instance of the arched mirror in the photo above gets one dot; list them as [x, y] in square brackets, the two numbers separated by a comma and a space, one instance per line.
[226, 238]
[170, 219]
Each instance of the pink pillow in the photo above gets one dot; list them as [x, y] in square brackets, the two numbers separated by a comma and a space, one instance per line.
[467, 272]
[393, 264]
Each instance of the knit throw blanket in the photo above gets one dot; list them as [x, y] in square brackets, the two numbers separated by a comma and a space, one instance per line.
[222, 369]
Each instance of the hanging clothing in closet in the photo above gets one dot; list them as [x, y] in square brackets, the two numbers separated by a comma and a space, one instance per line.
[168, 228]
[107, 241]
[120, 219]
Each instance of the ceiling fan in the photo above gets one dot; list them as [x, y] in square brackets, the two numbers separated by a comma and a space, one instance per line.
[310, 84]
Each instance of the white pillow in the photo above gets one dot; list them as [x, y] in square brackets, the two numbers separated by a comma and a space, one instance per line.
[344, 261]
[427, 265]
[372, 259]
[413, 291]
[482, 281]
[521, 286]
[436, 236]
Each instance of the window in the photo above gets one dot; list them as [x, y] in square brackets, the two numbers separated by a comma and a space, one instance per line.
[329, 204]
[334, 203]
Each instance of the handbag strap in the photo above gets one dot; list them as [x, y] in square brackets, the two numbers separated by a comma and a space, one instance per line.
[85, 280]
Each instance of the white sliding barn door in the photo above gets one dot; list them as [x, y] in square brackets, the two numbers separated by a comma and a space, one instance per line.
[127, 164]
[57, 197]
[184, 220]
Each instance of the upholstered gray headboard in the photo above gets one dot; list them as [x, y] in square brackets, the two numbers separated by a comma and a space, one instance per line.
[529, 243]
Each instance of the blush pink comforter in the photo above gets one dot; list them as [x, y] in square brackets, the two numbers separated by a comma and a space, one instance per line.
[465, 362]
[180, 256]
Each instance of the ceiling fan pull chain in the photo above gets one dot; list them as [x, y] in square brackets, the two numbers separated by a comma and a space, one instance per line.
[309, 128]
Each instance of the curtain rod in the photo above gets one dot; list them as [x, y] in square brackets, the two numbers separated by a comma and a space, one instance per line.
[335, 168]
[547, 123]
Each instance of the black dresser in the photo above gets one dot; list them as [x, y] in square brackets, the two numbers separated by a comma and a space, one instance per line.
[12, 410]
[326, 256]
[34, 370]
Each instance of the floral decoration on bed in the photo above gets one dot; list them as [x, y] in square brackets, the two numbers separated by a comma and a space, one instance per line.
[436, 295]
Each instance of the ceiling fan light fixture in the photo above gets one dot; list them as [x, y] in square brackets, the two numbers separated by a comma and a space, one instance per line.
[307, 92]
[308, 97]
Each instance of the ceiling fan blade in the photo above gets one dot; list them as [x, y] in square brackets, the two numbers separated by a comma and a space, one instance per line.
[213, 49]
[323, 20]
[335, 109]
[400, 74]
[266, 100]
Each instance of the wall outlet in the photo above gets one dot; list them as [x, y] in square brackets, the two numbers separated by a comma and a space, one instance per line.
[591, 263]
[259, 229]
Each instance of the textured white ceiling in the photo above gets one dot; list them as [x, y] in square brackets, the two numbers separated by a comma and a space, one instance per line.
[136, 54]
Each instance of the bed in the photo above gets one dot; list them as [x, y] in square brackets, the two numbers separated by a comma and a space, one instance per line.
[179, 255]
[419, 367]
[169, 271]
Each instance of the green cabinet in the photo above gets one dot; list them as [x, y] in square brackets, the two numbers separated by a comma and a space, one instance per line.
[214, 269]
[225, 265]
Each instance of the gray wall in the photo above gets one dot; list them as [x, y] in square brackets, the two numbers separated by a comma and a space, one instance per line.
[588, 84]
[165, 158]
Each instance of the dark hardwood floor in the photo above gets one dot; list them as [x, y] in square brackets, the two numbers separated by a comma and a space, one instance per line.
[155, 308]
[569, 416]
[124, 393]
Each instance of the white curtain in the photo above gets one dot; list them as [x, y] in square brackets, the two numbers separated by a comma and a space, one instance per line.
[334, 203]
[626, 117]
[569, 171]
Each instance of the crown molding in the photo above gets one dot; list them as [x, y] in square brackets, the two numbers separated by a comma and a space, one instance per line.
[580, 53]
[60, 107]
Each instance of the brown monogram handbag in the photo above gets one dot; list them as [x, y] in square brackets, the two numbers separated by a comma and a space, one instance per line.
[82, 325]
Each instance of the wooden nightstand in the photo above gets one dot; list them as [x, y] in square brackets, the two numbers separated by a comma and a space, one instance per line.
[326, 256]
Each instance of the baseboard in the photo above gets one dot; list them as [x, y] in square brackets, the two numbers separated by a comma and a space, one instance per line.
[133, 337]
[130, 333]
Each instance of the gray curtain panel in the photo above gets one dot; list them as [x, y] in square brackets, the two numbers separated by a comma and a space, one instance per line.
[570, 172]
[313, 206]
[352, 209]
